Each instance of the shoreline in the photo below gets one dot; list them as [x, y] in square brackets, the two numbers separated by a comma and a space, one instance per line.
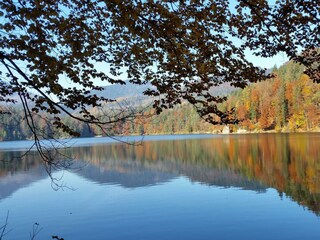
[172, 134]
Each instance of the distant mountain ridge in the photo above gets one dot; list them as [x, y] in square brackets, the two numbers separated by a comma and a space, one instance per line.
[129, 90]
[135, 91]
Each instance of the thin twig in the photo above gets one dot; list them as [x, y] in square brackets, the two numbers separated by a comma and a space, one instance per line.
[35, 231]
[4, 227]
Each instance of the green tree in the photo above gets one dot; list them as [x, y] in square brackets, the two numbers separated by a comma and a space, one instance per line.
[281, 106]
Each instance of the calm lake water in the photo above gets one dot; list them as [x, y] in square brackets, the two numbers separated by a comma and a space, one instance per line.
[264, 186]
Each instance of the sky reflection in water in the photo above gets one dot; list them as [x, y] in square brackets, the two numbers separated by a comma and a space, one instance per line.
[226, 187]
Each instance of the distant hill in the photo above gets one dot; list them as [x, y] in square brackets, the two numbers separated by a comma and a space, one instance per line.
[129, 90]
[223, 90]
[134, 91]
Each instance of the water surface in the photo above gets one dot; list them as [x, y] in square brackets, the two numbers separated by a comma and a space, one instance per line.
[263, 186]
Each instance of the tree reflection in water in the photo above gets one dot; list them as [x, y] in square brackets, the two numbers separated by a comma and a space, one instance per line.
[290, 163]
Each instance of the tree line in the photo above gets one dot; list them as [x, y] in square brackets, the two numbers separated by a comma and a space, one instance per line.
[288, 102]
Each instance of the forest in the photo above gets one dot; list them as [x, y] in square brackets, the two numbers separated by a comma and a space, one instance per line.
[288, 102]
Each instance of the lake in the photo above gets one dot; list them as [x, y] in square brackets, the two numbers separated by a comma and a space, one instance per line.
[256, 186]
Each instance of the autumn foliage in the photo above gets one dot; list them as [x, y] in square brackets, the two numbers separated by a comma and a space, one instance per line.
[288, 102]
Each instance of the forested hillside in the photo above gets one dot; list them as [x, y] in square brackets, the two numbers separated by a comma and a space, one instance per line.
[288, 102]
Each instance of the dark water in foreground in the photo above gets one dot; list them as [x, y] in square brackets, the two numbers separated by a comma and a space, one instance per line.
[264, 186]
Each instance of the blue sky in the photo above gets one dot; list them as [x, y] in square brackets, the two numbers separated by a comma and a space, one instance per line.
[278, 60]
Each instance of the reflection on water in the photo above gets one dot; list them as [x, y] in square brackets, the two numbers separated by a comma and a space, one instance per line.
[289, 163]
